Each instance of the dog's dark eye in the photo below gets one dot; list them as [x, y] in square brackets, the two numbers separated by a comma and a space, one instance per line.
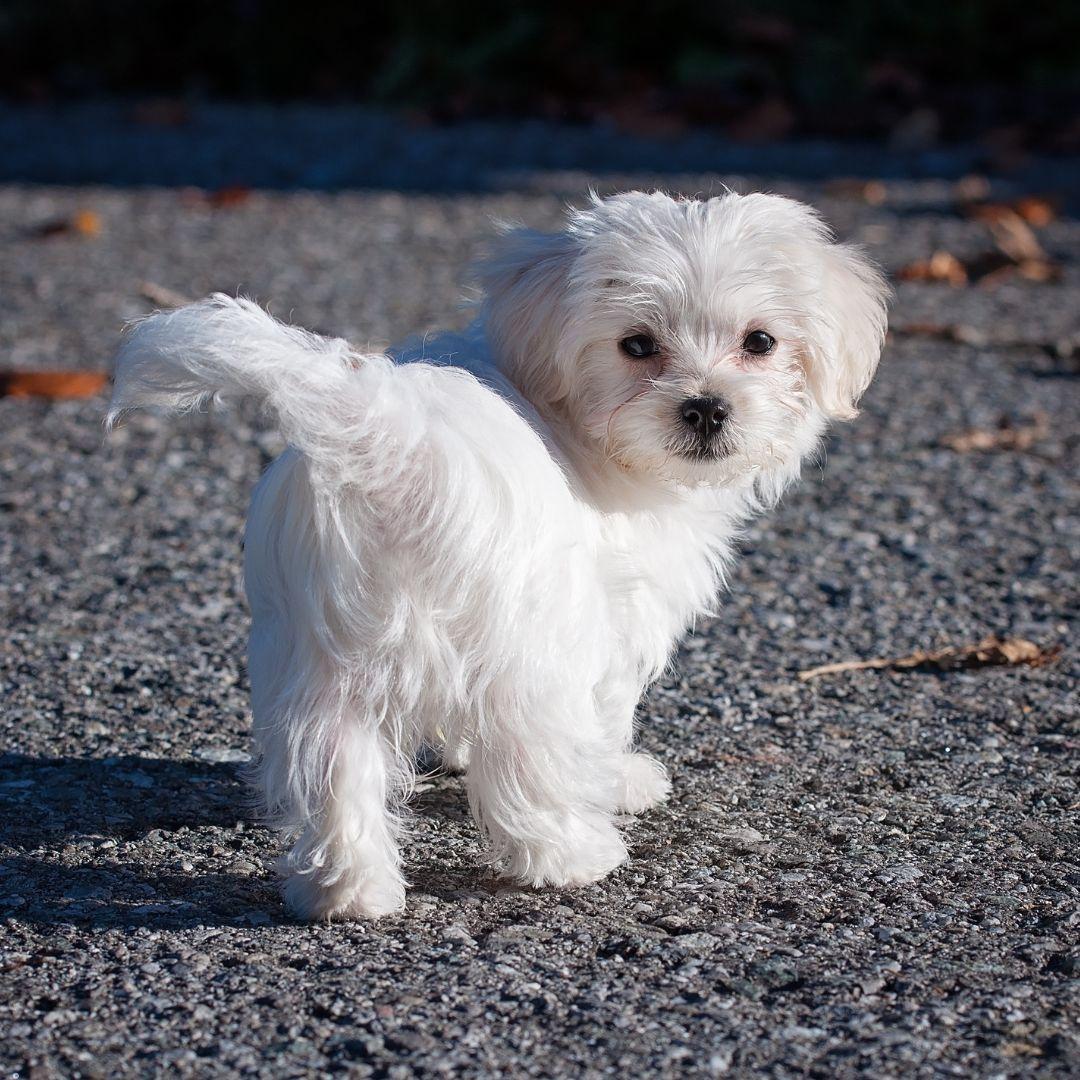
[639, 346]
[757, 341]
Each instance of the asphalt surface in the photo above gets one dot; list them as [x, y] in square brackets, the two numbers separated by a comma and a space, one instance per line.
[874, 873]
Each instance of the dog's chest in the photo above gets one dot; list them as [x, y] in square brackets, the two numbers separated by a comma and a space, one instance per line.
[659, 574]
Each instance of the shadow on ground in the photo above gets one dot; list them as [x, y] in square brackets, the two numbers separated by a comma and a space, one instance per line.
[114, 842]
[43, 800]
[102, 841]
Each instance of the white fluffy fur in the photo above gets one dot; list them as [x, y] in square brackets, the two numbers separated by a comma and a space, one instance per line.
[494, 540]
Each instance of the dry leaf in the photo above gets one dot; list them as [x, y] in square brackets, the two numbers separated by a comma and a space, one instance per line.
[1036, 210]
[1018, 252]
[1016, 242]
[987, 212]
[993, 270]
[223, 198]
[1041, 270]
[1012, 234]
[162, 295]
[941, 266]
[87, 223]
[227, 198]
[1006, 436]
[872, 192]
[1065, 348]
[83, 223]
[52, 384]
[992, 651]
[956, 332]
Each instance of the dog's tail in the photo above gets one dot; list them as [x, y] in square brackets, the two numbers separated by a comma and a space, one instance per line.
[223, 347]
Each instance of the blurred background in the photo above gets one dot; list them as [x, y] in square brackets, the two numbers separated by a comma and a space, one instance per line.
[1000, 77]
[907, 71]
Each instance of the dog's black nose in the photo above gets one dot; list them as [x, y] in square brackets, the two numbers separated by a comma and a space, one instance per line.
[705, 415]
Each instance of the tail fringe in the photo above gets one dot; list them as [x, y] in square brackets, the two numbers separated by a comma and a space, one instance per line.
[229, 348]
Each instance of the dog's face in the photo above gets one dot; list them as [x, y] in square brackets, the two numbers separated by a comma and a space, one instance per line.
[706, 342]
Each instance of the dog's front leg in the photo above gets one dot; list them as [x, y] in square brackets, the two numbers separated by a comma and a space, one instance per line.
[642, 781]
[543, 781]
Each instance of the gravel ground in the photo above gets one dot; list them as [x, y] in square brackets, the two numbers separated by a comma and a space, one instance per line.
[874, 873]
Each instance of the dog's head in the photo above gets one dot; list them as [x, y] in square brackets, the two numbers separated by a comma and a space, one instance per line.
[705, 341]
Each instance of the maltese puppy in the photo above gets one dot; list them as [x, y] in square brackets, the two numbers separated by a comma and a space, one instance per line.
[491, 541]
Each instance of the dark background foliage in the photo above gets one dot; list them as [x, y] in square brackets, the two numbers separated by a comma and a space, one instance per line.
[948, 68]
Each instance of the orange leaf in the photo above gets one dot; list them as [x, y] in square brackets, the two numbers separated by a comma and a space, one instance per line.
[227, 198]
[941, 266]
[1035, 210]
[87, 223]
[52, 384]
[83, 223]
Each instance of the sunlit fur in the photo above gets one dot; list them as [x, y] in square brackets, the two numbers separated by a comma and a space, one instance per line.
[493, 540]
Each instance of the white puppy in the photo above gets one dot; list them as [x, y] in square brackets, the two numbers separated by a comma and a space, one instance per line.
[495, 541]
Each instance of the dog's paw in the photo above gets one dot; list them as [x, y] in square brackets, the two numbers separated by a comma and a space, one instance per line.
[371, 897]
[455, 758]
[643, 783]
[589, 849]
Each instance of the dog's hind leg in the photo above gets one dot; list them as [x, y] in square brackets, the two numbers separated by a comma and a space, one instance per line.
[330, 773]
[346, 860]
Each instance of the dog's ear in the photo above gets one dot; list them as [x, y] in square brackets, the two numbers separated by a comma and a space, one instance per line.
[849, 330]
[525, 278]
